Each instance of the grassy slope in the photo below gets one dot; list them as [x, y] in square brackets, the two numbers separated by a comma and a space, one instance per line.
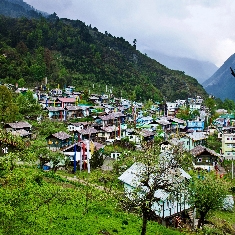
[25, 208]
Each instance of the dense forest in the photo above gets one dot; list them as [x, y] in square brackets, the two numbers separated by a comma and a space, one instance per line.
[68, 52]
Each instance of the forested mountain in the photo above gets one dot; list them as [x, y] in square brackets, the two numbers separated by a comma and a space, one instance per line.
[70, 53]
[201, 70]
[18, 8]
[222, 84]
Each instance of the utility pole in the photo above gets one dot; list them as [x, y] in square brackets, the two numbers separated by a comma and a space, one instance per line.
[232, 169]
[88, 156]
[81, 154]
[75, 159]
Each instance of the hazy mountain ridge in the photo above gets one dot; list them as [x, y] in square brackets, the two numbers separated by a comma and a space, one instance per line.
[19, 8]
[201, 70]
[222, 84]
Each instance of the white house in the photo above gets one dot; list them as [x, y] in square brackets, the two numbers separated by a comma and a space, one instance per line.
[169, 204]
[132, 135]
[172, 107]
[77, 126]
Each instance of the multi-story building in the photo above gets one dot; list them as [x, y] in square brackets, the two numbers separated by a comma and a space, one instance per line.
[228, 146]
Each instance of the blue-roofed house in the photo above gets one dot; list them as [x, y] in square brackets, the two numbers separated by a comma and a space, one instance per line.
[144, 120]
[195, 125]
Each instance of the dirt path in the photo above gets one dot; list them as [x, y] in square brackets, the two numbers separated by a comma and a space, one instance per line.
[96, 186]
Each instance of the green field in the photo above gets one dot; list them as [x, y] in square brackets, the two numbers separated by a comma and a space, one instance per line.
[34, 202]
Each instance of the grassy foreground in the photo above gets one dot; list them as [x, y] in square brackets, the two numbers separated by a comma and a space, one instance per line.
[32, 202]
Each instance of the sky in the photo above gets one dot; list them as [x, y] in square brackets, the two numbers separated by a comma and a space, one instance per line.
[196, 29]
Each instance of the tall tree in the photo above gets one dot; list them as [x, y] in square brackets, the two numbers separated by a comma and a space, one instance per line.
[211, 105]
[8, 109]
[207, 193]
[27, 104]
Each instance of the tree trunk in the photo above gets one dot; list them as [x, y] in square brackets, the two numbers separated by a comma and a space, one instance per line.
[145, 221]
[201, 221]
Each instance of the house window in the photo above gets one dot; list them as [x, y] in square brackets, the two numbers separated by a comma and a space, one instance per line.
[187, 142]
[199, 160]
[227, 138]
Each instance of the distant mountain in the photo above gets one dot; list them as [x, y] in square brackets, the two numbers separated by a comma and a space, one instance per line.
[201, 70]
[222, 84]
[19, 8]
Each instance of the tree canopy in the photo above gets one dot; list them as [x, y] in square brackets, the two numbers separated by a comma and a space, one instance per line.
[208, 191]
[68, 52]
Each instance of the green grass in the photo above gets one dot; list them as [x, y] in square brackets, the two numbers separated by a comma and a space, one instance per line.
[36, 202]
[223, 221]
[32, 202]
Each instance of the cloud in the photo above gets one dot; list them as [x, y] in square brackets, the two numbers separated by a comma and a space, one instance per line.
[198, 29]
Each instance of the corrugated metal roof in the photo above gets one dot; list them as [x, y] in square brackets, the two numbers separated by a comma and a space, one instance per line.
[198, 150]
[61, 135]
[110, 128]
[54, 109]
[133, 175]
[160, 193]
[88, 131]
[19, 125]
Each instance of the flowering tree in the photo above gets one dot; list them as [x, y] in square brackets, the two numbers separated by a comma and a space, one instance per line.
[152, 173]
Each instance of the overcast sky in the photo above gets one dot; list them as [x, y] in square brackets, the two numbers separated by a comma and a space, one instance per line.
[197, 29]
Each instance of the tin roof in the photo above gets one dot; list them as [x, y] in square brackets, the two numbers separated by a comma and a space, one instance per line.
[198, 150]
[133, 176]
[19, 125]
[87, 131]
[54, 109]
[61, 135]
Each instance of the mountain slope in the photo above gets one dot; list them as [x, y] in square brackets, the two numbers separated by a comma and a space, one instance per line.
[222, 84]
[18, 8]
[70, 53]
[201, 70]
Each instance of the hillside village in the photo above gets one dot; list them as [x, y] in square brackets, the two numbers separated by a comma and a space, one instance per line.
[96, 122]
[97, 137]
[111, 119]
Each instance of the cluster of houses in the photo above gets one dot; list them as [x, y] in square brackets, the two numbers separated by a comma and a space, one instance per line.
[113, 119]
[117, 118]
